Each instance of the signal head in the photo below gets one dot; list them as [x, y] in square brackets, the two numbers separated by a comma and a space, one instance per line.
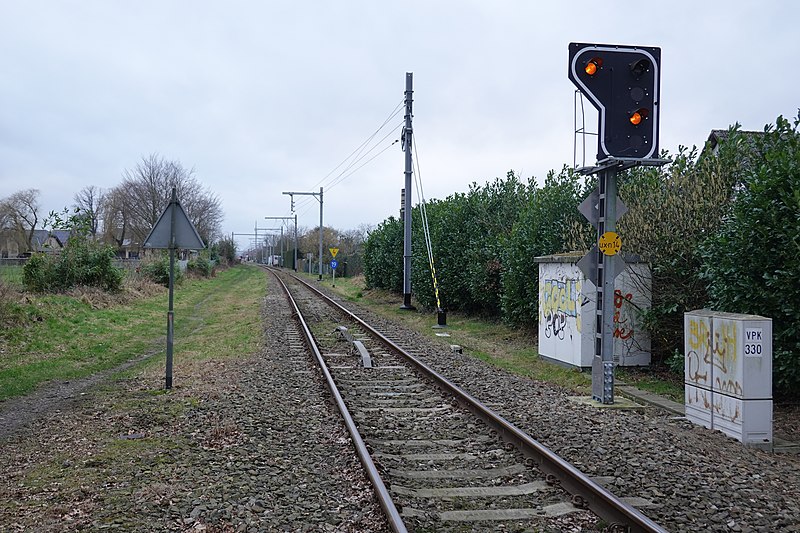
[640, 67]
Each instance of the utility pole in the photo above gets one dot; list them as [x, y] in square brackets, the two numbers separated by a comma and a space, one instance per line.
[318, 196]
[265, 246]
[295, 239]
[407, 139]
[255, 243]
[251, 235]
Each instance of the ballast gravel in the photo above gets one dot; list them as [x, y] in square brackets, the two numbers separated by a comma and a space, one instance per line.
[682, 476]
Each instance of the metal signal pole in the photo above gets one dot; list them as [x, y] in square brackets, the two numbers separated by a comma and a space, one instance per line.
[407, 132]
[318, 196]
[295, 236]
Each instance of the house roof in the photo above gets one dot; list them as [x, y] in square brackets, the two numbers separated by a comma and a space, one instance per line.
[41, 236]
[718, 136]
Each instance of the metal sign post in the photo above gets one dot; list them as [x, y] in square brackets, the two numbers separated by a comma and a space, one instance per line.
[603, 207]
[170, 310]
[602, 265]
[173, 229]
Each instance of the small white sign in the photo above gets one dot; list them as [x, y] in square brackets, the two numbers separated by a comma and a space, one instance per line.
[753, 346]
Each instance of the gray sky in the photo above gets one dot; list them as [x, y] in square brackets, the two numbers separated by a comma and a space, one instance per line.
[264, 97]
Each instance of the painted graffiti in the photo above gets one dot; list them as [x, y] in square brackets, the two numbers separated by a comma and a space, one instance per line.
[694, 370]
[698, 358]
[729, 386]
[724, 344]
[623, 319]
[699, 336]
[555, 324]
[559, 303]
[721, 352]
[712, 352]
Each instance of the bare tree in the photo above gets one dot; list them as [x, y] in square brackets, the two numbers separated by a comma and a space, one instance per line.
[204, 210]
[91, 202]
[5, 216]
[21, 214]
[352, 240]
[145, 192]
[309, 240]
[115, 216]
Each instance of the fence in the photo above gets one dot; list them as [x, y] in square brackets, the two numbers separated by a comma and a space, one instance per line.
[11, 271]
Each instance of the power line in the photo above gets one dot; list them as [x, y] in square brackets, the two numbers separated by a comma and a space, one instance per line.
[356, 156]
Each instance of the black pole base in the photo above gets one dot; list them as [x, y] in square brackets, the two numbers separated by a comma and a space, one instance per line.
[407, 303]
[441, 318]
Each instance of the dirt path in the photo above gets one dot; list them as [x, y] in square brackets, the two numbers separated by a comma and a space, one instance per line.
[18, 413]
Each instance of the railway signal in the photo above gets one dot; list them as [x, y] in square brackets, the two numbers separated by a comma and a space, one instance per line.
[622, 82]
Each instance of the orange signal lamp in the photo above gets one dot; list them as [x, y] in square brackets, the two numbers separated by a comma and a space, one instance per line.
[593, 65]
[638, 116]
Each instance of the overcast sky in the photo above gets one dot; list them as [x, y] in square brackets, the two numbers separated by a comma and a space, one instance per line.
[261, 97]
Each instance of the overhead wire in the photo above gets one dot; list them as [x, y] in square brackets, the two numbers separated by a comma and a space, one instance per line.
[342, 176]
[355, 157]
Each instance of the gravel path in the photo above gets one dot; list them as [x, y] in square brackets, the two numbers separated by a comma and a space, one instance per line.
[240, 444]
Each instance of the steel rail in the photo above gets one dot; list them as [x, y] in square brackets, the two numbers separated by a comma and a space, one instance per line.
[583, 490]
[381, 492]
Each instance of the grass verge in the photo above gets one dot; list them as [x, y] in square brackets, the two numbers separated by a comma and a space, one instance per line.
[65, 338]
[11, 275]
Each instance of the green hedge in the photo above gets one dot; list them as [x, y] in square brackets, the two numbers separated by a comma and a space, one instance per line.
[156, 269]
[752, 264]
[200, 266]
[383, 251]
[484, 242]
[721, 229]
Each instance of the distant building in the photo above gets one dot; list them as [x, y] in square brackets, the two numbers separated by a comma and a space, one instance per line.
[48, 241]
[717, 137]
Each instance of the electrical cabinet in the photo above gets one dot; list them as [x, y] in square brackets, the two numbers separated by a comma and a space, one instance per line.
[568, 311]
[728, 374]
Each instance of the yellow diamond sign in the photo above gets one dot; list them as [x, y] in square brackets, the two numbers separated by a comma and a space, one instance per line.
[334, 251]
[610, 243]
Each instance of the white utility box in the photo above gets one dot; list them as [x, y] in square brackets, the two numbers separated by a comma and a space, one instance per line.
[567, 312]
[728, 374]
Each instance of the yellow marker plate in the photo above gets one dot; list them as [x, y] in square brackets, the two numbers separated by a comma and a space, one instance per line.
[610, 243]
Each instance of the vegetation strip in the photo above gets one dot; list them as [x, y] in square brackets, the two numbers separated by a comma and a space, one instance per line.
[65, 338]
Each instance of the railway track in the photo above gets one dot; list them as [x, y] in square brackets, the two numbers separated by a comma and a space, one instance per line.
[439, 459]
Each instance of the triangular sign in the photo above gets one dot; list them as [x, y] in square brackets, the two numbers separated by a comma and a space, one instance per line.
[590, 207]
[186, 235]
